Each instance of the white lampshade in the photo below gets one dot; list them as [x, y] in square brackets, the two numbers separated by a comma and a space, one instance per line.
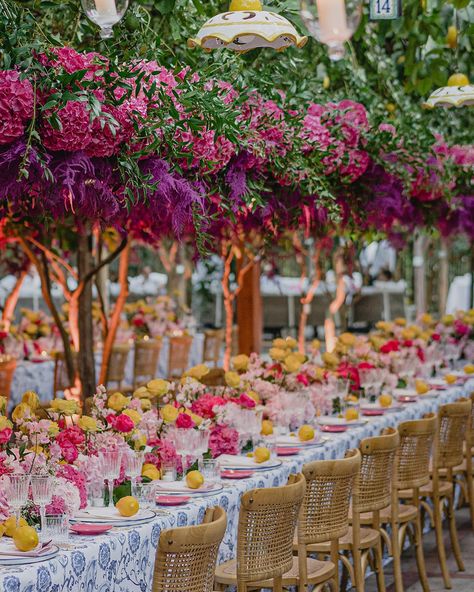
[451, 96]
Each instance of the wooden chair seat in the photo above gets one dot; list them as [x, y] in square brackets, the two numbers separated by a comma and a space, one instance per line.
[406, 513]
[444, 488]
[368, 539]
[318, 571]
[460, 469]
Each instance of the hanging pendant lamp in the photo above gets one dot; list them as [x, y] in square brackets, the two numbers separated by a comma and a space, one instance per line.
[458, 93]
[246, 26]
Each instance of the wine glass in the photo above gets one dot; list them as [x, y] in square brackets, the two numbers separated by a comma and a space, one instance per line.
[42, 490]
[134, 465]
[185, 443]
[18, 490]
[202, 442]
[111, 462]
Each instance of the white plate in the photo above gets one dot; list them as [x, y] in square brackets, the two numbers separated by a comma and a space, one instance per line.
[295, 442]
[26, 559]
[180, 488]
[246, 463]
[112, 516]
[341, 421]
[438, 382]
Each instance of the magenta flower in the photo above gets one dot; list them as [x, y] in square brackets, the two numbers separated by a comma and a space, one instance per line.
[75, 132]
[184, 421]
[16, 105]
[123, 424]
[223, 440]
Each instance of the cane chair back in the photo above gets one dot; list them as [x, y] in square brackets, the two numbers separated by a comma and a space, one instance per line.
[416, 443]
[214, 378]
[213, 342]
[186, 557]
[7, 370]
[178, 359]
[454, 419]
[62, 381]
[325, 509]
[147, 354]
[267, 522]
[377, 469]
[117, 363]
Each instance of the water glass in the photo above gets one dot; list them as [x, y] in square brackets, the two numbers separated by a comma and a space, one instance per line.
[146, 494]
[135, 462]
[57, 528]
[111, 463]
[18, 489]
[168, 470]
[42, 490]
[209, 467]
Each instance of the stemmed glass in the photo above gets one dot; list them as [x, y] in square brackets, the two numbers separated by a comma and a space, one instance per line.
[18, 490]
[111, 462]
[42, 490]
[202, 443]
[135, 462]
[185, 444]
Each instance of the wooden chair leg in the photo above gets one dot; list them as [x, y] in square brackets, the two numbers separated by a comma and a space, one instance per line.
[438, 525]
[378, 556]
[277, 584]
[358, 574]
[241, 587]
[470, 488]
[335, 560]
[453, 531]
[420, 554]
[395, 549]
[303, 569]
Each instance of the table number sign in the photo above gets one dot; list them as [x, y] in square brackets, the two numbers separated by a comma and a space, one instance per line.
[385, 9]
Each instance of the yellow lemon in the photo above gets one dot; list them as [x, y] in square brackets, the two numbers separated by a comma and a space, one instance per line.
[306, 433]
[421, 387]
[127, 506]
[10, 525]
[452, 37]
[450, 379]
[25, 538]
[351, 414]
[88, 424]
[245, 5]
[385, 400]
[232, 379]
[261, 454]
[240, 362]
[194, 480]
[169, 413]
[150, 471]
[458, 79]
[469, 369]
[267, 427]
[117, 401]
[31, 399]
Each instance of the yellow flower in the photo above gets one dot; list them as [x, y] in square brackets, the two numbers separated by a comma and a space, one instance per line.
[347, 339]
[319, 373]
[291, 342]
[133, 415]
[426, 319]
[197, 372]
[408, 334]
[169, 413]
[253, 395]
[88, 424]
[5, 423]
[240, 362]
[31, 329]
[31, 315]
[447, 320]
[139, 439]
[145, 404]
[117, 402]
[53, 429]
[330, 359]
[37, 449]
[384, 326]
[232, 379]
[21, 411]
[141, 392]
[196, 418]
[316, 344]
[400, 322]
[292, 363]
[3, 404]
[279, 343]
[65, 406]
[31, 399]
[276, 353]
[158, 387]
[45, 329]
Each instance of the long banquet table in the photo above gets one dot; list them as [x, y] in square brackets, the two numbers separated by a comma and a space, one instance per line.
[123, 559]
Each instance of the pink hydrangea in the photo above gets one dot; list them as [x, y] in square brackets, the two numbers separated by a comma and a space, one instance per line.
[204, 406]
[75, 132]
[73, 475]
[16, 105]
[72, 61]
[223, 440]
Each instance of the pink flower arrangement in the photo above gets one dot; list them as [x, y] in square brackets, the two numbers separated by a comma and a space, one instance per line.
[16, 105]
[223, 440]
[72, 474]
[204, 406]
[184, 421]
[75, 131]
[245, 401]
[123, 423]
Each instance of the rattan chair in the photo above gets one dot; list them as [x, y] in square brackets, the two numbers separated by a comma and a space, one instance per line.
[147, 354]
[213, 342]
[62, 382]
[451, 429]
[324, 518]
[267, 522]
[372, 493]
[7, 370]
[178, 358]
[186, 557]
[214, 378]
[117, 364]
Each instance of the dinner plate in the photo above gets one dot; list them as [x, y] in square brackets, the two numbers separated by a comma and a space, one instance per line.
[295, 442]
[372, 412]
[394, 408]
[230, 474]
[246, 463]
[111, 516]
[179, 488]
[341, 421]
[19, 558]
[406, 395]
[334, 429]
[286, 451]
[90, 529]
[172, 500]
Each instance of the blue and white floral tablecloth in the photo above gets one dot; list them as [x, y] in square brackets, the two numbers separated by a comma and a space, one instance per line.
[123, 559]
[39, 376]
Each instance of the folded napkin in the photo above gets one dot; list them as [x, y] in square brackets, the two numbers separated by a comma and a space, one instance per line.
[101, 514]
[8, 549]
[229, 460]
[181, 487]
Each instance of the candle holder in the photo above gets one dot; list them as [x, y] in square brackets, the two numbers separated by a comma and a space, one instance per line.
[332, 22]
[105, 14]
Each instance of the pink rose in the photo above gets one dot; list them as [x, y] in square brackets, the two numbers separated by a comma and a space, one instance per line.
[246, 401]
[5, 435]
[303, 379]
[366, 366]
[436, 337]
[123, 424]
[184, 421]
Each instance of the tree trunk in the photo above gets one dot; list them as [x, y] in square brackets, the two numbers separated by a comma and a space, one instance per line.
[443, 275]
[249, 311]
[11, 301]
[86, 331]
[419, 268]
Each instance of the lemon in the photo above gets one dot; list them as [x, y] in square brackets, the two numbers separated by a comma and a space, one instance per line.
[306, 433]
[245, 5]
[194, 480]
[385, 400]
[452, 37]
[326, 85]
[152, 473]
[421, 387]
[261, 454]
[450, 379]
[25, 538]
[10, 525]
[127, 506]
[267, 427]
[469, 369]
[351, 414]
[458, 80]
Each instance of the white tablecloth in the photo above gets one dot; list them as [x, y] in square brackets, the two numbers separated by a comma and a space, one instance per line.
[39, 377]
[123, 559]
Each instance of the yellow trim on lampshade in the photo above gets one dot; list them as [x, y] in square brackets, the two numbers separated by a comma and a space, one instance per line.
[451, 96]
